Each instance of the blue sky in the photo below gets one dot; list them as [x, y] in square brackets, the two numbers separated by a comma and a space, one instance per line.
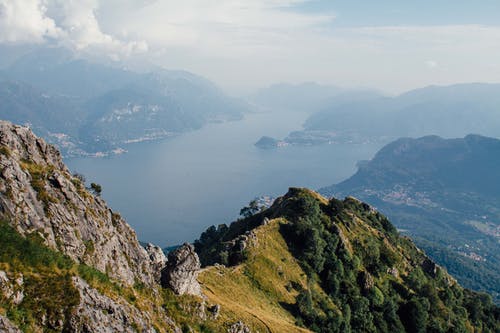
[245, 44]
[403, 12]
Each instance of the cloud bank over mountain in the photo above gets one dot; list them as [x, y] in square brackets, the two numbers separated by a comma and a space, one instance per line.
[249, 44]
[72, 24]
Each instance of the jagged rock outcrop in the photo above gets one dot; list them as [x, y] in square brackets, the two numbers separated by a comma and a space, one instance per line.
[39, 194]
[393, 271]
[238, 327]
[158, 260]
[236, 247]
[99, 313]
[367, 281]
[181, 272]
[7, 327]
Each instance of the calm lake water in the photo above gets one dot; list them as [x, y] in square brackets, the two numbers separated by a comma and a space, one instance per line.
[171, 191]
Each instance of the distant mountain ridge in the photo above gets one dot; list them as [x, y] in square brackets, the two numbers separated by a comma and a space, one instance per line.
[443, 192]
[447, 111]
[307, 97]
[85, 107]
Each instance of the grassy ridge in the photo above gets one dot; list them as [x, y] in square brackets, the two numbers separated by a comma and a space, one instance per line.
[354, 273]
[259, 291]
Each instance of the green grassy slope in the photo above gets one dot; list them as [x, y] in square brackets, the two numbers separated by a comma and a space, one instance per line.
[348, 270]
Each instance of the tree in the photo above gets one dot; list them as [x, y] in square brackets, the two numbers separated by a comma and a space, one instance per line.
[250, 210]
[414, 315]
[96, 189]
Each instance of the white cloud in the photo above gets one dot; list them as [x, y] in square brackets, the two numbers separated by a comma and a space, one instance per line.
[72, 23]
[26, 21]
[222, 26]
[253, 43]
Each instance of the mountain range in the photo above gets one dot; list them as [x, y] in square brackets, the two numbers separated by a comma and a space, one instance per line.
[448, 111]
[86, 107]
[444, 193]
[307, 97]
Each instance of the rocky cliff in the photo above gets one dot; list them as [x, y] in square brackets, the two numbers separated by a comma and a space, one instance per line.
[69, 263]
[40, 195]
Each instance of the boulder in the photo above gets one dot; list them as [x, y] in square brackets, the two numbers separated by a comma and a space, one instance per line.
[181, 271]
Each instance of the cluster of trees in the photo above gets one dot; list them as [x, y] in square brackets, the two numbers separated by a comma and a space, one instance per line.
[362, 294]
[371, 279]
[212, 246]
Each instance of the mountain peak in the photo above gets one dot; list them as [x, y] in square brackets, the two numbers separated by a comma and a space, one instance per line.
[334, 265]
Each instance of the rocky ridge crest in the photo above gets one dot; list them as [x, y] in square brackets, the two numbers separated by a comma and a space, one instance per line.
[39, 195]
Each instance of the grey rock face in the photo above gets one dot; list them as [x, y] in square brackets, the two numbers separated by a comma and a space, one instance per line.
[238, 327]
[6, 326]
[368, 282]
[99, 313]
[181, 272]
[38, 194]
[393, 271]
[11, 289]
[157, 259]
[236, 247]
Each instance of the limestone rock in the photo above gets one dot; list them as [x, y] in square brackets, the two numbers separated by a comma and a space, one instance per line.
[393, 271]
[157, 259]
[11, 289]
[181, 272]
[99, 313]
[236, 247]
[6, 326]
[239, 327]
[367, 281]
[5, 286]
[38, 194]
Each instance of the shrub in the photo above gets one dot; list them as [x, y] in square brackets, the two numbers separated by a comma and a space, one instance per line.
[96, 189]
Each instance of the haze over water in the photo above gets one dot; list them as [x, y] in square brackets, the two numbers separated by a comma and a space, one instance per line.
[171, 191]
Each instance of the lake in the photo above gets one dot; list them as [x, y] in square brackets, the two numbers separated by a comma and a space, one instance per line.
[170, 191]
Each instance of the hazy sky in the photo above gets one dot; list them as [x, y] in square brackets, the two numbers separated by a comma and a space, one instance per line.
[244, 44]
